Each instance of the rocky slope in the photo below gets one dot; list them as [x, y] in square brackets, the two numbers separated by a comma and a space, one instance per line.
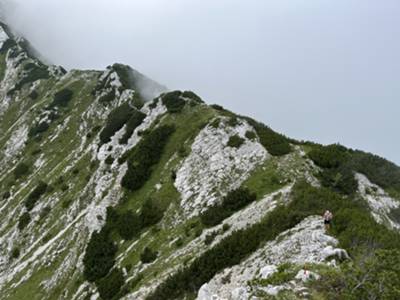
[112, 187]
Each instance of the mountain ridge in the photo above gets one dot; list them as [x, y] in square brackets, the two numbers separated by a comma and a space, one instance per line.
[112, 187]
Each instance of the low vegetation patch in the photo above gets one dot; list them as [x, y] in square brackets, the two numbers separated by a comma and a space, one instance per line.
[24, 220]
[234, 201]
[144, 156]
[276, 144]
[134, 121]
[174, 101]
[21, 170]
[62, 98]
[148, 256]
[235, 141]
[35, 195]
[115, 121]
[110, 286]
[38, 129]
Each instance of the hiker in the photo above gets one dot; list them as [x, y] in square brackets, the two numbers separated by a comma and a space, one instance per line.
[327, 219]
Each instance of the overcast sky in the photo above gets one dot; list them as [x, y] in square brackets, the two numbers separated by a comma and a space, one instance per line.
[320, 70]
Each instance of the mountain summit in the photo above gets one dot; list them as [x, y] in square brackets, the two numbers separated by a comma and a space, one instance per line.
[112, 187]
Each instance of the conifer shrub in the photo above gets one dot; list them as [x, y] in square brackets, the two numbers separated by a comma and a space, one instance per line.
[154, 103]
[173, 101]
[217, 107]
[235, 141]
[109, 160]
[110, 285]
[35, 195]
[6, 195]
[99, 255]
[232, 202]
[276, 144]
[191, 95]
[134, 121]
[38, 129]
[251, 135]
[210, 238]
[20, 170]
[62, 98]
[15, 252]
[379, 170]
[33, 95]
[115, 121]
[331, 156]
[337, 172]
[128, 225]
[215, 123]
[151, 213]
[144, 156]
[148, 256]
[24, 220]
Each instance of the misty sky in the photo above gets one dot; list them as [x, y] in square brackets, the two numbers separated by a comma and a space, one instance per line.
[321, 70]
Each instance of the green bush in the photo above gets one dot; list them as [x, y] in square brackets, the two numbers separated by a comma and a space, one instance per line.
[151, 213]
[232, 202]
[336, 172]
[109, 160]
[134, 121]
[235, 141]
[62, 98]
[215, 123]
[128, 225]
[144, 156]
[285, 273]
[115, 121]
[15, 252]
[24, 220]
[99, 256]
[173, 101]
[379, 170]
[210, 238]
[341, 180]
[217, 107]
[251, 135]
[191, 95]
[331, 156]
[33, 95]
[110, 285]
[276, 144]
[35, 195]
[38, 129]
[148, 256]
[6, 195]
[20, 170]
[154, 103]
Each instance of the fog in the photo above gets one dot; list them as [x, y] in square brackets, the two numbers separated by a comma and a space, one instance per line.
[319, 70]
